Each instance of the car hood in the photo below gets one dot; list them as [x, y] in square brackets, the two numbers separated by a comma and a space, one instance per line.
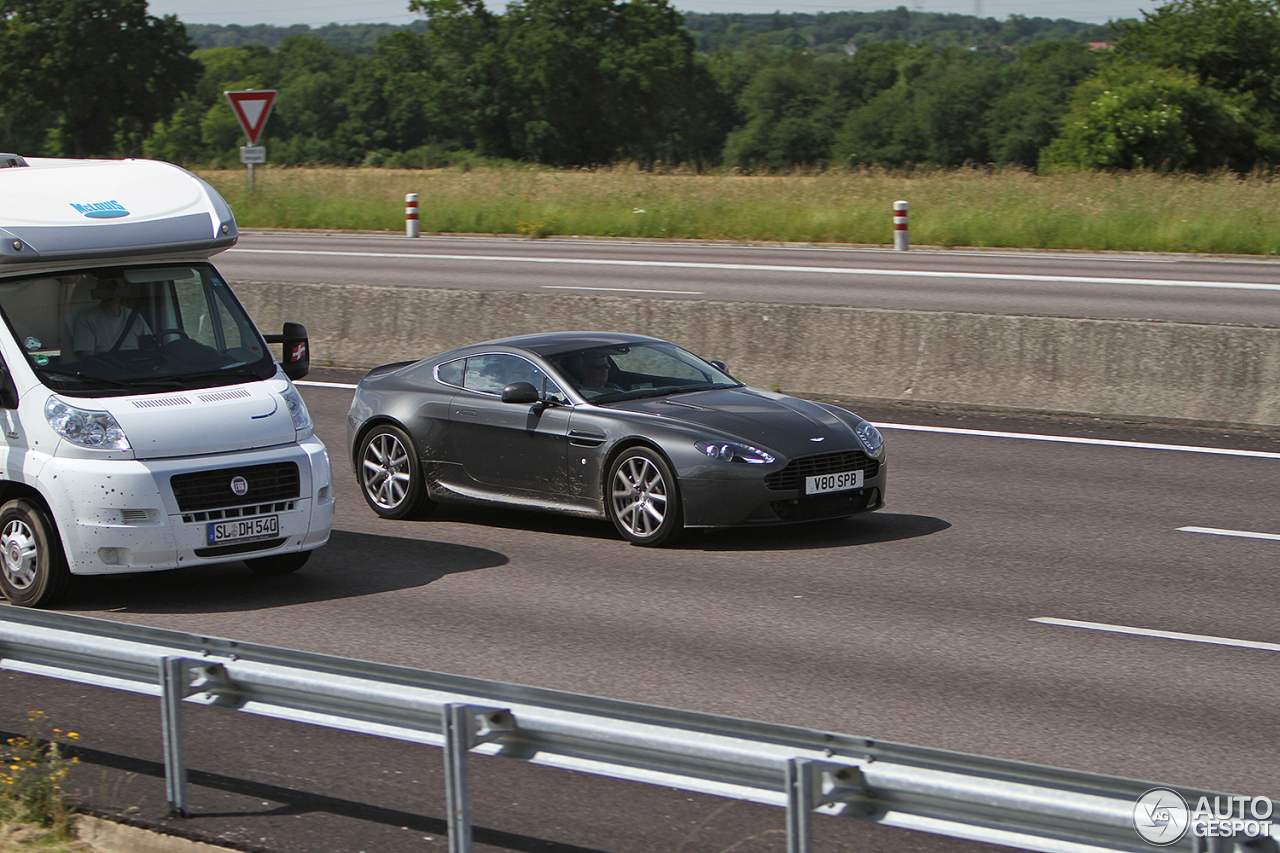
[208, 420]
[787, 425]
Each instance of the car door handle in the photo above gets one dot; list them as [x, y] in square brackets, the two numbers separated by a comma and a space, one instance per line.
[585, 439]
[467, 413]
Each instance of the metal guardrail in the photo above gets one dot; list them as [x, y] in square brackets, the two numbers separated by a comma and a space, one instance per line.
[802, 770]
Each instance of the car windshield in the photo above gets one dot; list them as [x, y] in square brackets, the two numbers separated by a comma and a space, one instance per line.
[631, 371]
[133, 329]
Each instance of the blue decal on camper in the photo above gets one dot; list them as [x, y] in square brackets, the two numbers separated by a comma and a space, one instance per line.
[102, 209]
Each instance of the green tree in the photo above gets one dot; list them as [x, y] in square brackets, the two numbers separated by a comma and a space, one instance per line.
[932, 115]
[1229, 45]
[1036, 94]
[1133, 116]
[571, 82]
[105, 69]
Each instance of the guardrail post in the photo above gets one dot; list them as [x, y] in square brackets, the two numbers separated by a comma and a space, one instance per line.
[173, 689]
[800, 800]
[464, 727]
[816, 783]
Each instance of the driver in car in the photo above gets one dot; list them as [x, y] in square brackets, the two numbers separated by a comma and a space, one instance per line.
[110, 325]
[590, 371]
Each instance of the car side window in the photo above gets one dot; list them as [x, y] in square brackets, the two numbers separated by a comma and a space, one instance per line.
[451, 373]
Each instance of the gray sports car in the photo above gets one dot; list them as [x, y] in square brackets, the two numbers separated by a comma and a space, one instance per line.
[600, 424]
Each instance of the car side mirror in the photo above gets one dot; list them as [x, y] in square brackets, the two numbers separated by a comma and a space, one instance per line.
[520, 392]
[720, 365]
[295, 356]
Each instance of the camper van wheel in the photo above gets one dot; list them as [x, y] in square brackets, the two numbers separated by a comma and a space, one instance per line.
[33, 569]
[278, 564]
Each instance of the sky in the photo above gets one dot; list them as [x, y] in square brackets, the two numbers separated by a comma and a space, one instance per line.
[320, 12]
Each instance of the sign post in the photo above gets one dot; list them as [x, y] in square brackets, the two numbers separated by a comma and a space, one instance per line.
[252, 107]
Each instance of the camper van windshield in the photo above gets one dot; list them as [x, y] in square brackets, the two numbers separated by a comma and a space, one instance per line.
[133, 329]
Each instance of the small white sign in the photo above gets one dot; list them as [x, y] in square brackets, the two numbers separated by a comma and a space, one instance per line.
[253, 154]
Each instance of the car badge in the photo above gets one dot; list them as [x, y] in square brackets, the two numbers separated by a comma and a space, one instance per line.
[240, 486]
[819, 438]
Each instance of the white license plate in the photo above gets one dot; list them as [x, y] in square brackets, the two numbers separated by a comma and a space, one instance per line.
[841, 482]
[243, 529]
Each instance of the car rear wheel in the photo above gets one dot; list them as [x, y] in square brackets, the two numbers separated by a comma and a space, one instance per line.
[33, 569]
[643, 499]
[278, 564]
[391, 475]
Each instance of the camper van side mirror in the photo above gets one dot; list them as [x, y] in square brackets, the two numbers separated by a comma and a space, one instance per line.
[8, 391]
[295, 357]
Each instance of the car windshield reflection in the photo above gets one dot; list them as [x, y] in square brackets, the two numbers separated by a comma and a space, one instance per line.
[612, 374]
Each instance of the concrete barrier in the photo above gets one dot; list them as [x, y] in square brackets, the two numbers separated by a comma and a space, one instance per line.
[1159, 371]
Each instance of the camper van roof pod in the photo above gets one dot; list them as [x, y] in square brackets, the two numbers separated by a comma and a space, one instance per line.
[56, 211]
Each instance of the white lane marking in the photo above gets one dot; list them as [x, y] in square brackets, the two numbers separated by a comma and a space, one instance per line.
[1061, 279]
[325, 384]
[1100, 442]
[1243, 534]
[1026, 436]
[620, 289]
[1164, 635]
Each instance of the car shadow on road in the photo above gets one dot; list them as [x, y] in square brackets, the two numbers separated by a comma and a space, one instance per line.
[349, 566]
[867, 529]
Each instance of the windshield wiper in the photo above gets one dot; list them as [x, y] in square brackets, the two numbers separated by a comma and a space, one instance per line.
[86, 377]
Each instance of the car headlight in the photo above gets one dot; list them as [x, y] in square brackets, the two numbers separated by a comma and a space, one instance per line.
[297, 408]
[872, 440]
[85, 428]
[729, 451]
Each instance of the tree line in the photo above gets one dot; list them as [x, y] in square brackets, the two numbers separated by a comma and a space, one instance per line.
[1194, 86]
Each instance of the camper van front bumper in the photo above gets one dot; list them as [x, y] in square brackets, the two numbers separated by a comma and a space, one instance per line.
[150, 515]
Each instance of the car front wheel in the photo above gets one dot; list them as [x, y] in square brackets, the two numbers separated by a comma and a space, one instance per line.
[391, 475]
[33, 569]
[643, 498]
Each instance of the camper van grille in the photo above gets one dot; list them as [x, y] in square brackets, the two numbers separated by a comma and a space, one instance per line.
[202, 491]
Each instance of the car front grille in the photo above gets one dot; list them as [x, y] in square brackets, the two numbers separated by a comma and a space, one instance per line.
[210, 493]
[834, 505]
[792, 477]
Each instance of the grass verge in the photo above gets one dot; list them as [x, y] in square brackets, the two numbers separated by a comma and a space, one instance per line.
[1137, 211]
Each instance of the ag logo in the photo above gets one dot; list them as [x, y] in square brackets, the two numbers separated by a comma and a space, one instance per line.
[1161, 816]
[240, 486]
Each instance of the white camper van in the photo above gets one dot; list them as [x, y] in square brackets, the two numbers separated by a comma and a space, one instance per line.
[144, 422]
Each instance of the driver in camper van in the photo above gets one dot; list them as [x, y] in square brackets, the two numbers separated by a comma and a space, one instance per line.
[111, 324]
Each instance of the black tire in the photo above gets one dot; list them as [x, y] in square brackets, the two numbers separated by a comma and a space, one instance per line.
[642, 498]
[390, 474]
[278, 564]
[33, 568]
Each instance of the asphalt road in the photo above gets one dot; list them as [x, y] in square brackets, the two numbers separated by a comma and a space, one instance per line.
[914, 624]
[1105, 286]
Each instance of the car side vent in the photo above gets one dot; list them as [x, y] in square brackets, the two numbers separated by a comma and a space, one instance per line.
[10, 160]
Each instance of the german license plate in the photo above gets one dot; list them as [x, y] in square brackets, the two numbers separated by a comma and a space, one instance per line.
[243, 529]
[840, 482]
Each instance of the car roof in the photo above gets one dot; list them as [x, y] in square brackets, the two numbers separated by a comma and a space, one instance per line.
[554, 343]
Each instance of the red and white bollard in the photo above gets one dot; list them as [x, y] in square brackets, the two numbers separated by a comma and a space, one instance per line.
[411, 215]
[900, 239]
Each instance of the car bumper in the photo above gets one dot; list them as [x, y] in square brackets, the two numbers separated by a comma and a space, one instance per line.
[123, 516]
[738, 501]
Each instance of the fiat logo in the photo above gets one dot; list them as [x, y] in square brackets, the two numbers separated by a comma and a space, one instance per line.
[240, 486]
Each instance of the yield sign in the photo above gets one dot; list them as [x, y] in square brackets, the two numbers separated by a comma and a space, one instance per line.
[252, 106]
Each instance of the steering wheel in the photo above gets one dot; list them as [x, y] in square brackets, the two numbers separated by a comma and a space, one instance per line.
[172, 331]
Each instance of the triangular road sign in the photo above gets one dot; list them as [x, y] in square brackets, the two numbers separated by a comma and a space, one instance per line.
[252, 106]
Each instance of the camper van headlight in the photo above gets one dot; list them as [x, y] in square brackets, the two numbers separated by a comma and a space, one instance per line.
[84, 428]
[297, 408]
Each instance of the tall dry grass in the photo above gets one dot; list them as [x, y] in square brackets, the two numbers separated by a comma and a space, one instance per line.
[1223, 213]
